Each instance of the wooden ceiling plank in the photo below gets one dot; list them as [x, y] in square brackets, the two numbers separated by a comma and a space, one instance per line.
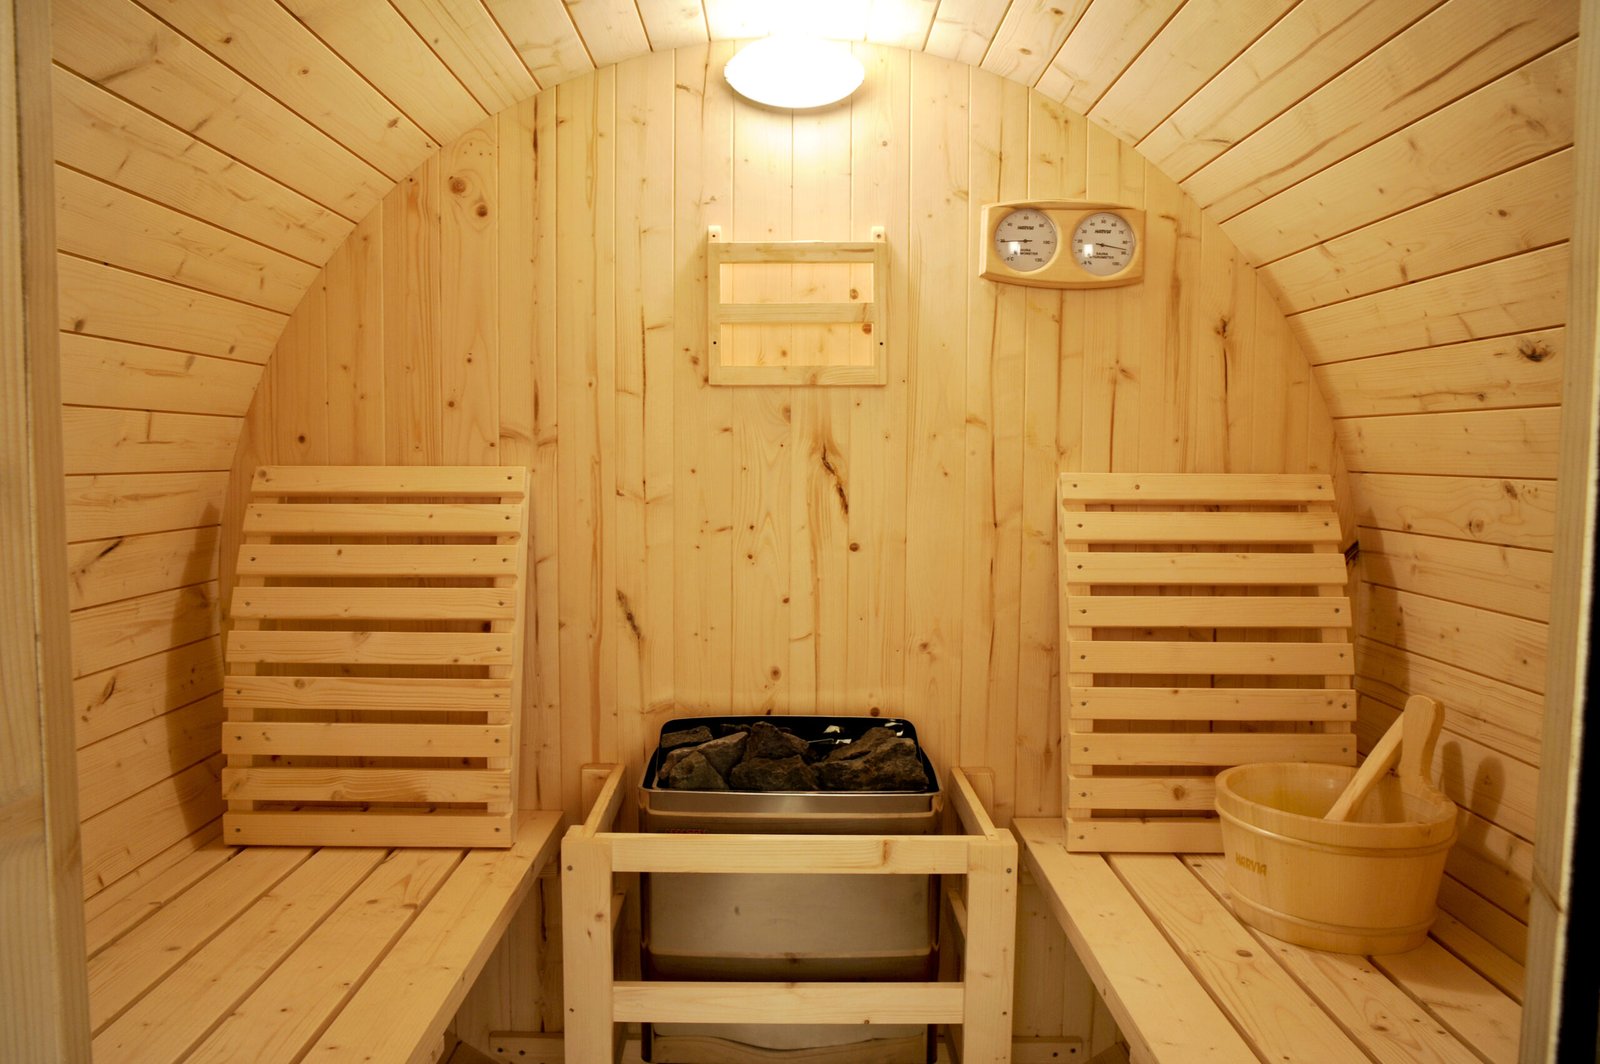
[101, 300]
[118, 632]
[103, 570]
[612, 30]
[1496, 865]
[1523, 369]
[1456, 49]
[1308, 47]
[1520, 210]
[104, 506]
[1502, 928]
[1486, 710]
[374, 39]
[100, 372]
[1108, 37]
[1176, 65]
[118, 767]
[1506, 443]
[901, 23]
[1463, 768]
[1520, 513]
[466, 36]
[673, 23]
[102, 134]
[1508, 296]
[1520, 117]
[130, 52]
[105, 440]
[962, 29]
[1029, 37]
[730, 20]
[542, 33]
[118, 841]
[274, 50]
[100, 221]
[112, 701]
[1485, 575]
[845, 20]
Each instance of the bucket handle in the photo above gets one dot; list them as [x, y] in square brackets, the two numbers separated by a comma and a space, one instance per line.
[1410, 741]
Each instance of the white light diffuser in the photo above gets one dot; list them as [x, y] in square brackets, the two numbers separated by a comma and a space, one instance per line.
[794, 72]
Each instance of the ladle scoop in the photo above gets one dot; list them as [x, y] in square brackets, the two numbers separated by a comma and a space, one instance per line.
[1410, 742]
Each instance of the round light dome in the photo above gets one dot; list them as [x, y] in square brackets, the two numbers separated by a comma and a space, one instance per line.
[794, 72]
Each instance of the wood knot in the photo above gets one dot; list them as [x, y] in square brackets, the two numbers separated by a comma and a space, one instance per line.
[1533, 350]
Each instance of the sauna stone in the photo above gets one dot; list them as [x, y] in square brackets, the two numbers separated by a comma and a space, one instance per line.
[768, 758]
[771, 743]
[878, 761]
[693, 772]
[774, 774]
[687, 737]
[726, 752]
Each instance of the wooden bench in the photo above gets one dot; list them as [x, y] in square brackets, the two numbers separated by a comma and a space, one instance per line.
[1188, 983]
[373, 694]
[264, 954]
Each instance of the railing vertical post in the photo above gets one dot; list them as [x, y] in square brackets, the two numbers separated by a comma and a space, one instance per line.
[586, 936]
[987, 970]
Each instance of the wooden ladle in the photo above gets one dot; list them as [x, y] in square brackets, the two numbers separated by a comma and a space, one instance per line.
[1410, 741]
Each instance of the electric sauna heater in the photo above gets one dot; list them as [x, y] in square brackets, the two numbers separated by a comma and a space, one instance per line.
[802, 775]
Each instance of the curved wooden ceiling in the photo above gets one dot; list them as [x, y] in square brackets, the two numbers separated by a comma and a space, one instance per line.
[1308, 129]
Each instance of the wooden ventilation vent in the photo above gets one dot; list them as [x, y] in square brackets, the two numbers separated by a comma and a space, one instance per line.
[373, 667]
[1204, 624]
[797, 312]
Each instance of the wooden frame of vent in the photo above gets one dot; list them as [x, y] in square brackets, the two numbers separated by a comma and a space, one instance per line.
[1247, 570]
[374, 662]
[723, 314]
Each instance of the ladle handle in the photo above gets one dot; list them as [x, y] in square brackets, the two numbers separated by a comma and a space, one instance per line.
[1422, 720]
[1375, 767]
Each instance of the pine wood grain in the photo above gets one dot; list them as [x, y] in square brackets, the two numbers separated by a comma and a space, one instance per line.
[101, 134]
[1522, 115]
[1303, 49]
[156, 67]
[1451, 51]
[467, 38]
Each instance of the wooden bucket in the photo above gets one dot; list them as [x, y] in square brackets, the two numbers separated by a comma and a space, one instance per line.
[1365, 885]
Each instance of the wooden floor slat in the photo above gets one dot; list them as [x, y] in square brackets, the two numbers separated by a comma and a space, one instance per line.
[126, 913]
[419, 984]
[1269, 1007]
[162, 1026]
[291, 1008]
[1427, 1006]
[1360, 998]
[123, 971]
[263, 953]
[1131, 963]
[1461, 999]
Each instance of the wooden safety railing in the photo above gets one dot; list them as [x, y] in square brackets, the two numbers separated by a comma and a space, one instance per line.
[977, 1007]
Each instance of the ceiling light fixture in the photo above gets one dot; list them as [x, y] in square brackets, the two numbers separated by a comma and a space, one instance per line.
[794, 72]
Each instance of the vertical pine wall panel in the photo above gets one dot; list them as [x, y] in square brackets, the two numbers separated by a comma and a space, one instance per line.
[536, 293]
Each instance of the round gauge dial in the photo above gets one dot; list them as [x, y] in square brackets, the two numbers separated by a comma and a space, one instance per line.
[1026, 240]
[1103, 243]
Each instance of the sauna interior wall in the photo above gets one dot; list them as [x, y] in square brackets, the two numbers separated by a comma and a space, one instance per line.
[536, 294]
[1400, 173]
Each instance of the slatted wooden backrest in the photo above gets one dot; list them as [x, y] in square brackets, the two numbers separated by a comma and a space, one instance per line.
[374, 661]
[1204, 624]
